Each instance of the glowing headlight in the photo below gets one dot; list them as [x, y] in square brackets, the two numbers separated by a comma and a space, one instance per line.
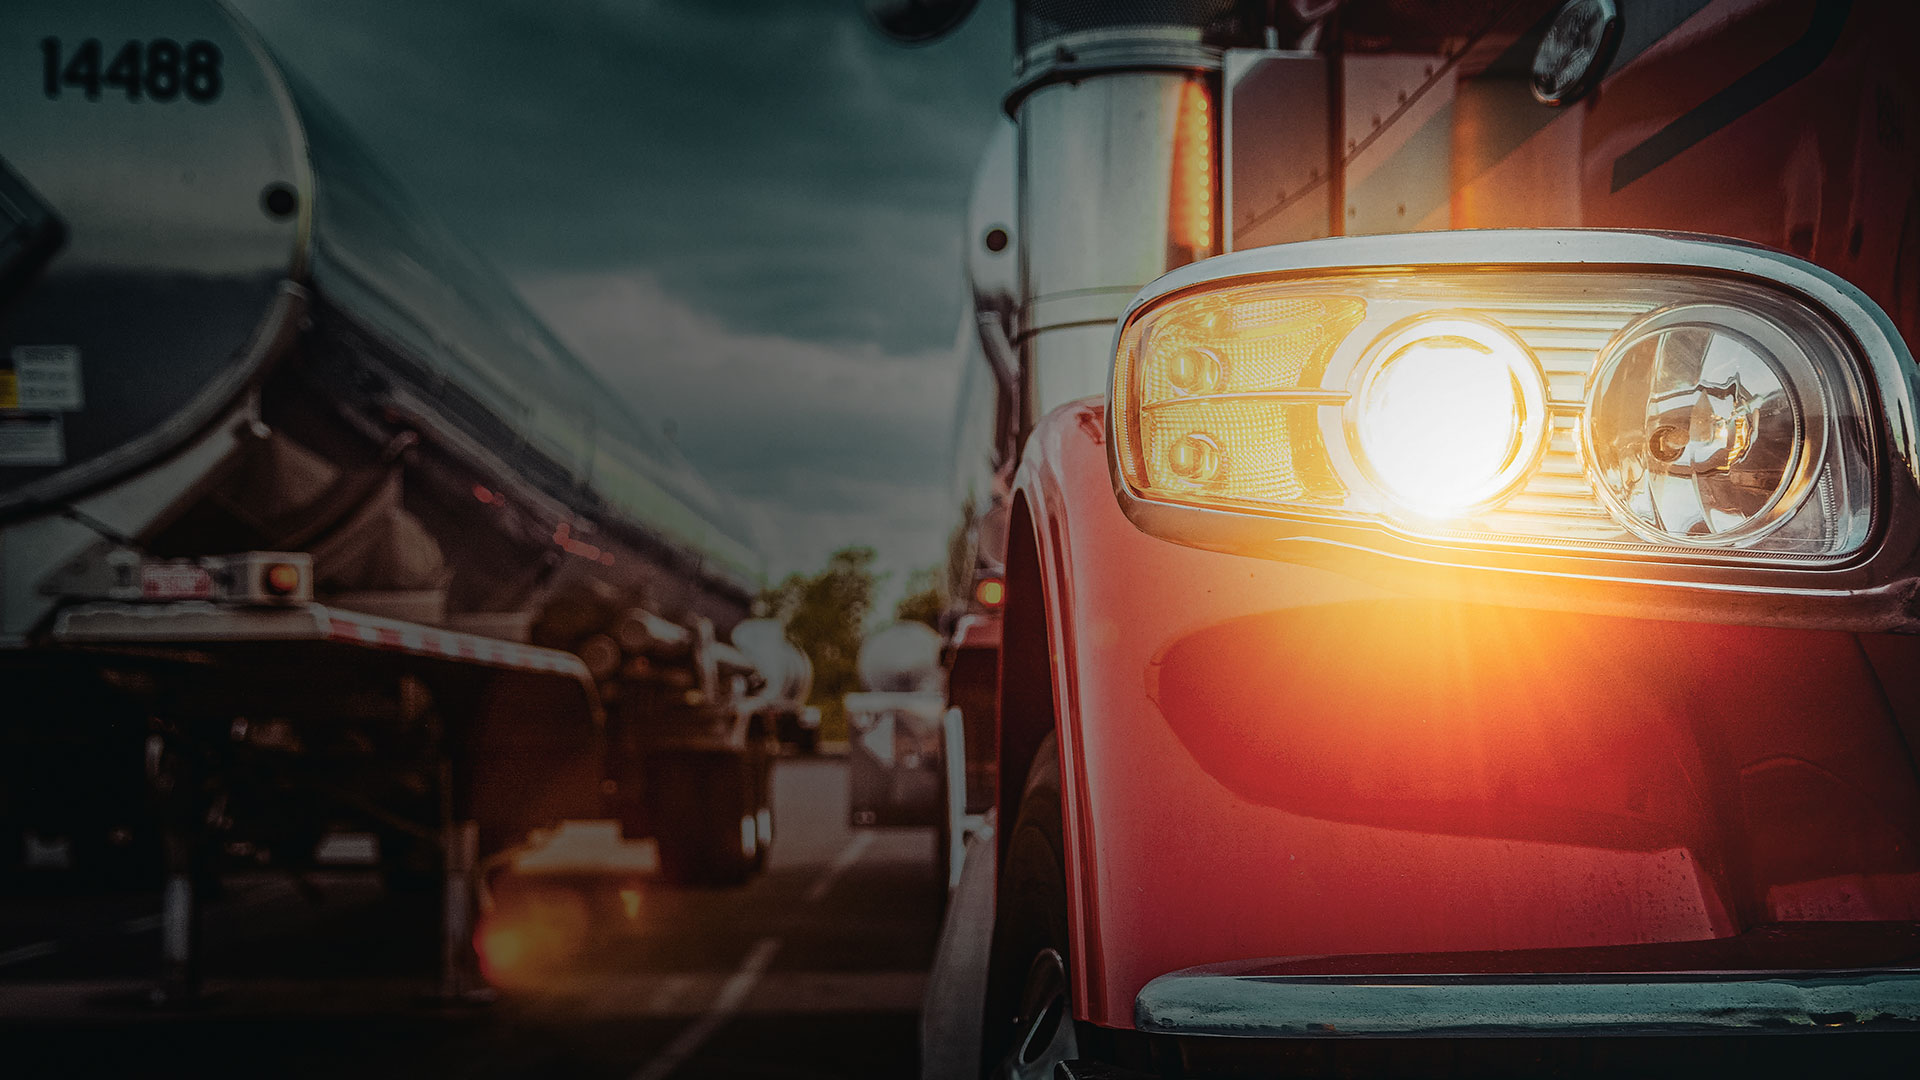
[1449, 415]
[1645, 411]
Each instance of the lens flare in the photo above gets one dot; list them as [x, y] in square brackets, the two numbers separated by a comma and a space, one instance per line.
[1448, 416]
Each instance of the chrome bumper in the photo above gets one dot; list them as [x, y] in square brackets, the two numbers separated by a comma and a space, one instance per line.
[1204, 1001]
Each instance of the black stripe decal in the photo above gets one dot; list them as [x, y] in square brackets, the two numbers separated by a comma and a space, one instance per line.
[1749, 92]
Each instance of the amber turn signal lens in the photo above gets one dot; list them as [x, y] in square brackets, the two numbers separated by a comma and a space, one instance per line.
[1224, 388]
[281, 579]
[991, 592]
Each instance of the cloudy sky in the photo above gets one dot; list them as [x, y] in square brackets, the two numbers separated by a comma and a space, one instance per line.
[746, 214]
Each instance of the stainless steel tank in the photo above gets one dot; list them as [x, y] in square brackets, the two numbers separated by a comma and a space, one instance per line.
[228, 242]
[787, 671]
[902, 658]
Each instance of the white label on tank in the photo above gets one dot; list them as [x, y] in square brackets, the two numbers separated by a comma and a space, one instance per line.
[32, 440]
[47, 378]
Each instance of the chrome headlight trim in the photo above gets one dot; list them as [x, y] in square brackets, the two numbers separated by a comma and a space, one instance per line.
[1873, 590]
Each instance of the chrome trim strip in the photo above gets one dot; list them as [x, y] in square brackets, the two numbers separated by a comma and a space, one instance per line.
[1198, 1002]
[1301, 396]
[1107, 51]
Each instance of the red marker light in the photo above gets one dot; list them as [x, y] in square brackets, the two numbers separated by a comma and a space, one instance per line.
[281, 579]
[991, 592]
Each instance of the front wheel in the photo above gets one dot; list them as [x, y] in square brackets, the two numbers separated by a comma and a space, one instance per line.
[1029, 1026]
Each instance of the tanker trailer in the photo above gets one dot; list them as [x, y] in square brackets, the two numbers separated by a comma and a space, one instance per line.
[907, 756]
[306, 522]
[789, 683]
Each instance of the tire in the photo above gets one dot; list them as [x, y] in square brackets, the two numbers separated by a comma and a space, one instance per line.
[1028, 1024]
[133, 864]
[942, 853]
[761, 765]
[410, 865]
[698, 802]
[13, 852]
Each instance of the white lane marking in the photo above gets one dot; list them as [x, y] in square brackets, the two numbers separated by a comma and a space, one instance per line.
[732, 995]
[840, 865]
[141, 925]
[29, 952]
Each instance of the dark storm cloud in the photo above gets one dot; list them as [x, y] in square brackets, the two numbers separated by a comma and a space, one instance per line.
[774, 163]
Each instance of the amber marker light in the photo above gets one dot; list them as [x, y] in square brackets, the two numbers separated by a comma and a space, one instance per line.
[281, 579]
[990, 592]
[1222, 392]
[1190, 215]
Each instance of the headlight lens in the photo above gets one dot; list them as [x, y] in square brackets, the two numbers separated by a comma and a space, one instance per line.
[1614, 412]
[1704, 424]
[1449, 415]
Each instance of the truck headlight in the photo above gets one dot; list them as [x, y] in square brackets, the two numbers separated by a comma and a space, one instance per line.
[1449, 415]
[1611, 396]
[1707, 426]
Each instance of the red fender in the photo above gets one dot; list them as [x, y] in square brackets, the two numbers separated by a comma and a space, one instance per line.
[1263, 759]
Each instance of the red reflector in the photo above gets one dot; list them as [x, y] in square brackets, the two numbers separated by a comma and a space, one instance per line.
[991, 592]
[175, 581]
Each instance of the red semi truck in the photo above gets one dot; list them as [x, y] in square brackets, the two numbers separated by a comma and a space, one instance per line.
[1452, 471]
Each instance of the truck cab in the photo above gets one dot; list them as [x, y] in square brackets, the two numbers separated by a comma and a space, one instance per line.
[1457, 554]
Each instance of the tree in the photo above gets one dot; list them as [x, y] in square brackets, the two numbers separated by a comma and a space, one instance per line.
[925, 599]
[825, 614]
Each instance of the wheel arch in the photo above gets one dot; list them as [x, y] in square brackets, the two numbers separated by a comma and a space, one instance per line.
[1028, 703]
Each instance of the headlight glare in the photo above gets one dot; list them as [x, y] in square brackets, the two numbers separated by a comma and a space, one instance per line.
[1449, 414]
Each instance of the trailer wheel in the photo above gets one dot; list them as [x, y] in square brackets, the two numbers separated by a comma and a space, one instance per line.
[942, 852]
[763, 822]
[13, 850]
[1028, 1025]
[704, 807]
[410, 865]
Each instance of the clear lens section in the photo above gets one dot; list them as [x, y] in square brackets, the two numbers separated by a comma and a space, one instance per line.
[1611, 412]
[1706, 427]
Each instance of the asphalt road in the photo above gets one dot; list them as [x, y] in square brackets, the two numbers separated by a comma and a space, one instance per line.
[814, 970]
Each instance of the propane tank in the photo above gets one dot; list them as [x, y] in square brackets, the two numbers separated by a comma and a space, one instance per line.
[788, 672]
[903, 658]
